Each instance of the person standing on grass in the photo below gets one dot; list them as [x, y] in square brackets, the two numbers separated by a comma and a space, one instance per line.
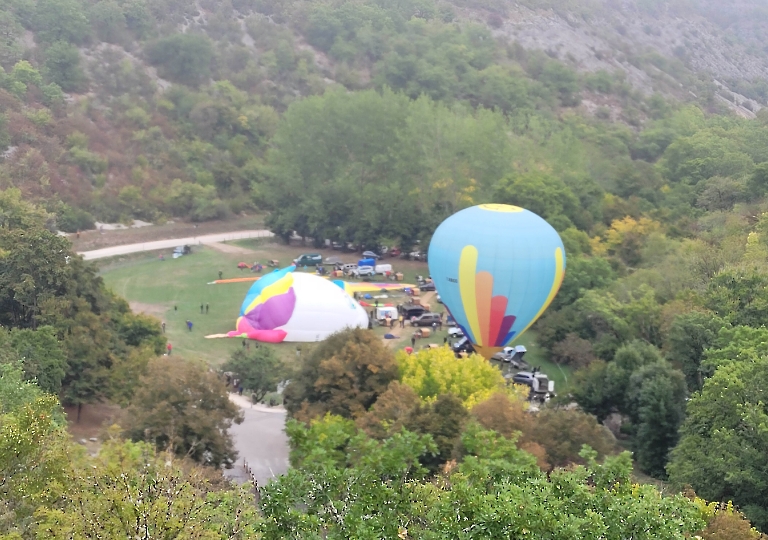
[189, 325]
[201, 308]
[162, 324]
[206, 308]
[170, 348]
[402, 321]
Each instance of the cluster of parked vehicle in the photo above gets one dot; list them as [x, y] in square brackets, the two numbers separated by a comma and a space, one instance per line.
[366, 267]
[378, 253]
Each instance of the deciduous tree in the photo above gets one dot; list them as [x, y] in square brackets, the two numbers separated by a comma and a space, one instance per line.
[435, 371]
[131, 489]
[689, 336]
[41, 355]
[343, 375]
[184, 408]
[722, 441]
[259, 371]
[35, 451]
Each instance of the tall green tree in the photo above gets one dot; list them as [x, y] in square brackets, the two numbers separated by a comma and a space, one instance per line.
[656, 405]
[542, 194]
[259, 371]
[688, 338]
[183, 58]
[741, 297]
[62, 66]
[61, 20]
[723, 439]
[41, 354]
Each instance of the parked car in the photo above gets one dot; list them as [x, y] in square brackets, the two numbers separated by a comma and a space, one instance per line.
[332, 260]
[455, 331]
[338, 246]
[412, 311]
[181, 250]
[426, 319]
[523, 377]
[463, 346]
[308, 259]
[363, 271]
[517, 352]
[394, 252]
[383, 269]
[427, 286]
[370, 255]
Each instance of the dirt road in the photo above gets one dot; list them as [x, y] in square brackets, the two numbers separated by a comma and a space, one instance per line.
[426, 298]
[169, 244]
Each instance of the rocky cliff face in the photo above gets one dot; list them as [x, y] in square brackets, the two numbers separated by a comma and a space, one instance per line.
[660, 46]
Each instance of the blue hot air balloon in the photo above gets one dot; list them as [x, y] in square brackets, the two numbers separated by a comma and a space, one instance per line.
[497, 267]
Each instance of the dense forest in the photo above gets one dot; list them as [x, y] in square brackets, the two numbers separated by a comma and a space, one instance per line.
[369, 122]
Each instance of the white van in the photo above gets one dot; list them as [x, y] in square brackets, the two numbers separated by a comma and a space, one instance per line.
[382, 312]
[383, 269]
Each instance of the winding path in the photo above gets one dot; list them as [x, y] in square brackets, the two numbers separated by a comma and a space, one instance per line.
[172, 243]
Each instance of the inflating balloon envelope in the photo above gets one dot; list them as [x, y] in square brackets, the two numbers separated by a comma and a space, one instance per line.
[497, 268]
[291, 306]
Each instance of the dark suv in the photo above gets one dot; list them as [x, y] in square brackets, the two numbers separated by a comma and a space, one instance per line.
[426, 319]
[463, 346]
[412, 311]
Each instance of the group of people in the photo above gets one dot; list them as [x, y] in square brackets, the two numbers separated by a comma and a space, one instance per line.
[389, 321]
[204, 308]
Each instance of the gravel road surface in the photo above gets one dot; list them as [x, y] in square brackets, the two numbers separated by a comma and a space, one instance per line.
[260, 442]
[172, 243]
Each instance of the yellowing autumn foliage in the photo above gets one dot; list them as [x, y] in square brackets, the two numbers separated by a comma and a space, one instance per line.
[431, 372]
[624, 237]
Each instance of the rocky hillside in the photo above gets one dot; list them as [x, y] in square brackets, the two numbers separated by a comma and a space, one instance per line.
[138, 109]
[672, 47]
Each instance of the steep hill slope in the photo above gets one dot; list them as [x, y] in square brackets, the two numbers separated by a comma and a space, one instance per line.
[121, 109]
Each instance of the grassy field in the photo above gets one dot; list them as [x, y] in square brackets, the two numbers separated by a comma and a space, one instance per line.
[173, 290]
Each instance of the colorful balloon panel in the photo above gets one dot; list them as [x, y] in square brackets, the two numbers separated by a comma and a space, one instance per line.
[497, 268]
[288, 306]
[362, 287]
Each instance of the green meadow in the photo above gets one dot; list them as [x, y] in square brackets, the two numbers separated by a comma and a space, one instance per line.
[173, 290]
